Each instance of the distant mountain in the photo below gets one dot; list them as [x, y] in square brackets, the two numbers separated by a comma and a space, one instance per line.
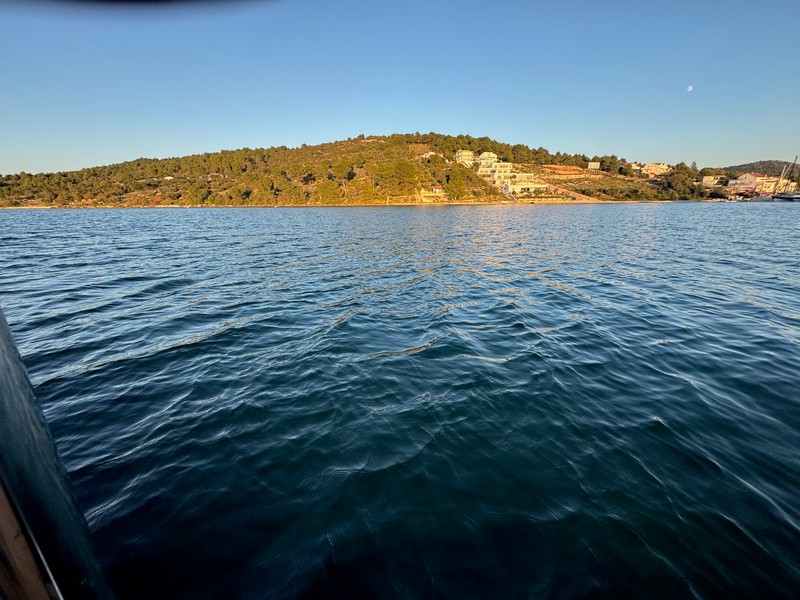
[768, 167]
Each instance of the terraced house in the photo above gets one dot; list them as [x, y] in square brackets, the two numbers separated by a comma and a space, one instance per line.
[465, 157]
[502, 175]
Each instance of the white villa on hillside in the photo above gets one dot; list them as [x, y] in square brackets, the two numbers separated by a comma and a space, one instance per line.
[501, 174]
[465, 157]
[487, 158]
[493, 170]
[523, 183]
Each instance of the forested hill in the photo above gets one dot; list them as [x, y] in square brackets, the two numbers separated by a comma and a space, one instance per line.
[362, 170]
[768, 167]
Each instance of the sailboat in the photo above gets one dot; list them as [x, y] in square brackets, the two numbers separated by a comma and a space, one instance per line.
[786, 195]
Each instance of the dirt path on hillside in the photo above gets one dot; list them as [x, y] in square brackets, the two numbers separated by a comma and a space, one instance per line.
[575, 196]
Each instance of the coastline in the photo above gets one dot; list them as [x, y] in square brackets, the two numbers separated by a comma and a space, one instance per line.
[543, 201]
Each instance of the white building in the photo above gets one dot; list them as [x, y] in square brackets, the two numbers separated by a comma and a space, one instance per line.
[758, 183]
[712, 180]
[492, 169]
[523, 188]
[465, 157]
[487, 158]
[655, 169]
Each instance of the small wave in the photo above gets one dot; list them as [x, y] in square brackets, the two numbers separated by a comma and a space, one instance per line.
[471, 404]
[492, 359]
[406, 351]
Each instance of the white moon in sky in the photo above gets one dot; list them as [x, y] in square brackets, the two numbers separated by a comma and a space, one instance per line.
[690, 88]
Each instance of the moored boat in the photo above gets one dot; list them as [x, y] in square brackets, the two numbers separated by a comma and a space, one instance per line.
[786, 197]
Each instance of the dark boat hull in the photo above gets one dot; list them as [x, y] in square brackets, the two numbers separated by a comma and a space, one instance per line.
[786, 197]
[45, 551]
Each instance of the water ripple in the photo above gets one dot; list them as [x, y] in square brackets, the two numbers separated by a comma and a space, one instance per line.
[450, 402]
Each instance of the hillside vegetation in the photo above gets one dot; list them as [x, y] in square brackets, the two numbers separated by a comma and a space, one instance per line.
[680, 183]
[364, 170]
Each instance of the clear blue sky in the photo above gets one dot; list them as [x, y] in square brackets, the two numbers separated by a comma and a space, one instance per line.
[91, 84]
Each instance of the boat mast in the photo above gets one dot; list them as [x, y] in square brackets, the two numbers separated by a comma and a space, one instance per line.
[780, 179]
[788, 174]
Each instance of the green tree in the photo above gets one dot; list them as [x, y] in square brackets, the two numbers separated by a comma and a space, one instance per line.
[680, 183]
[455, 186]
[196, 194]
[610, 164]
[327, 192]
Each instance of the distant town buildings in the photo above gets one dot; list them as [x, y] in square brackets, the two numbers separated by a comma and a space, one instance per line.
[749, 181]
[503, 176]
[749, 184]
[759, 183]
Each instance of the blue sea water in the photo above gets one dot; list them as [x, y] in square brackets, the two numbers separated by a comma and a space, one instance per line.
[422, 402]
